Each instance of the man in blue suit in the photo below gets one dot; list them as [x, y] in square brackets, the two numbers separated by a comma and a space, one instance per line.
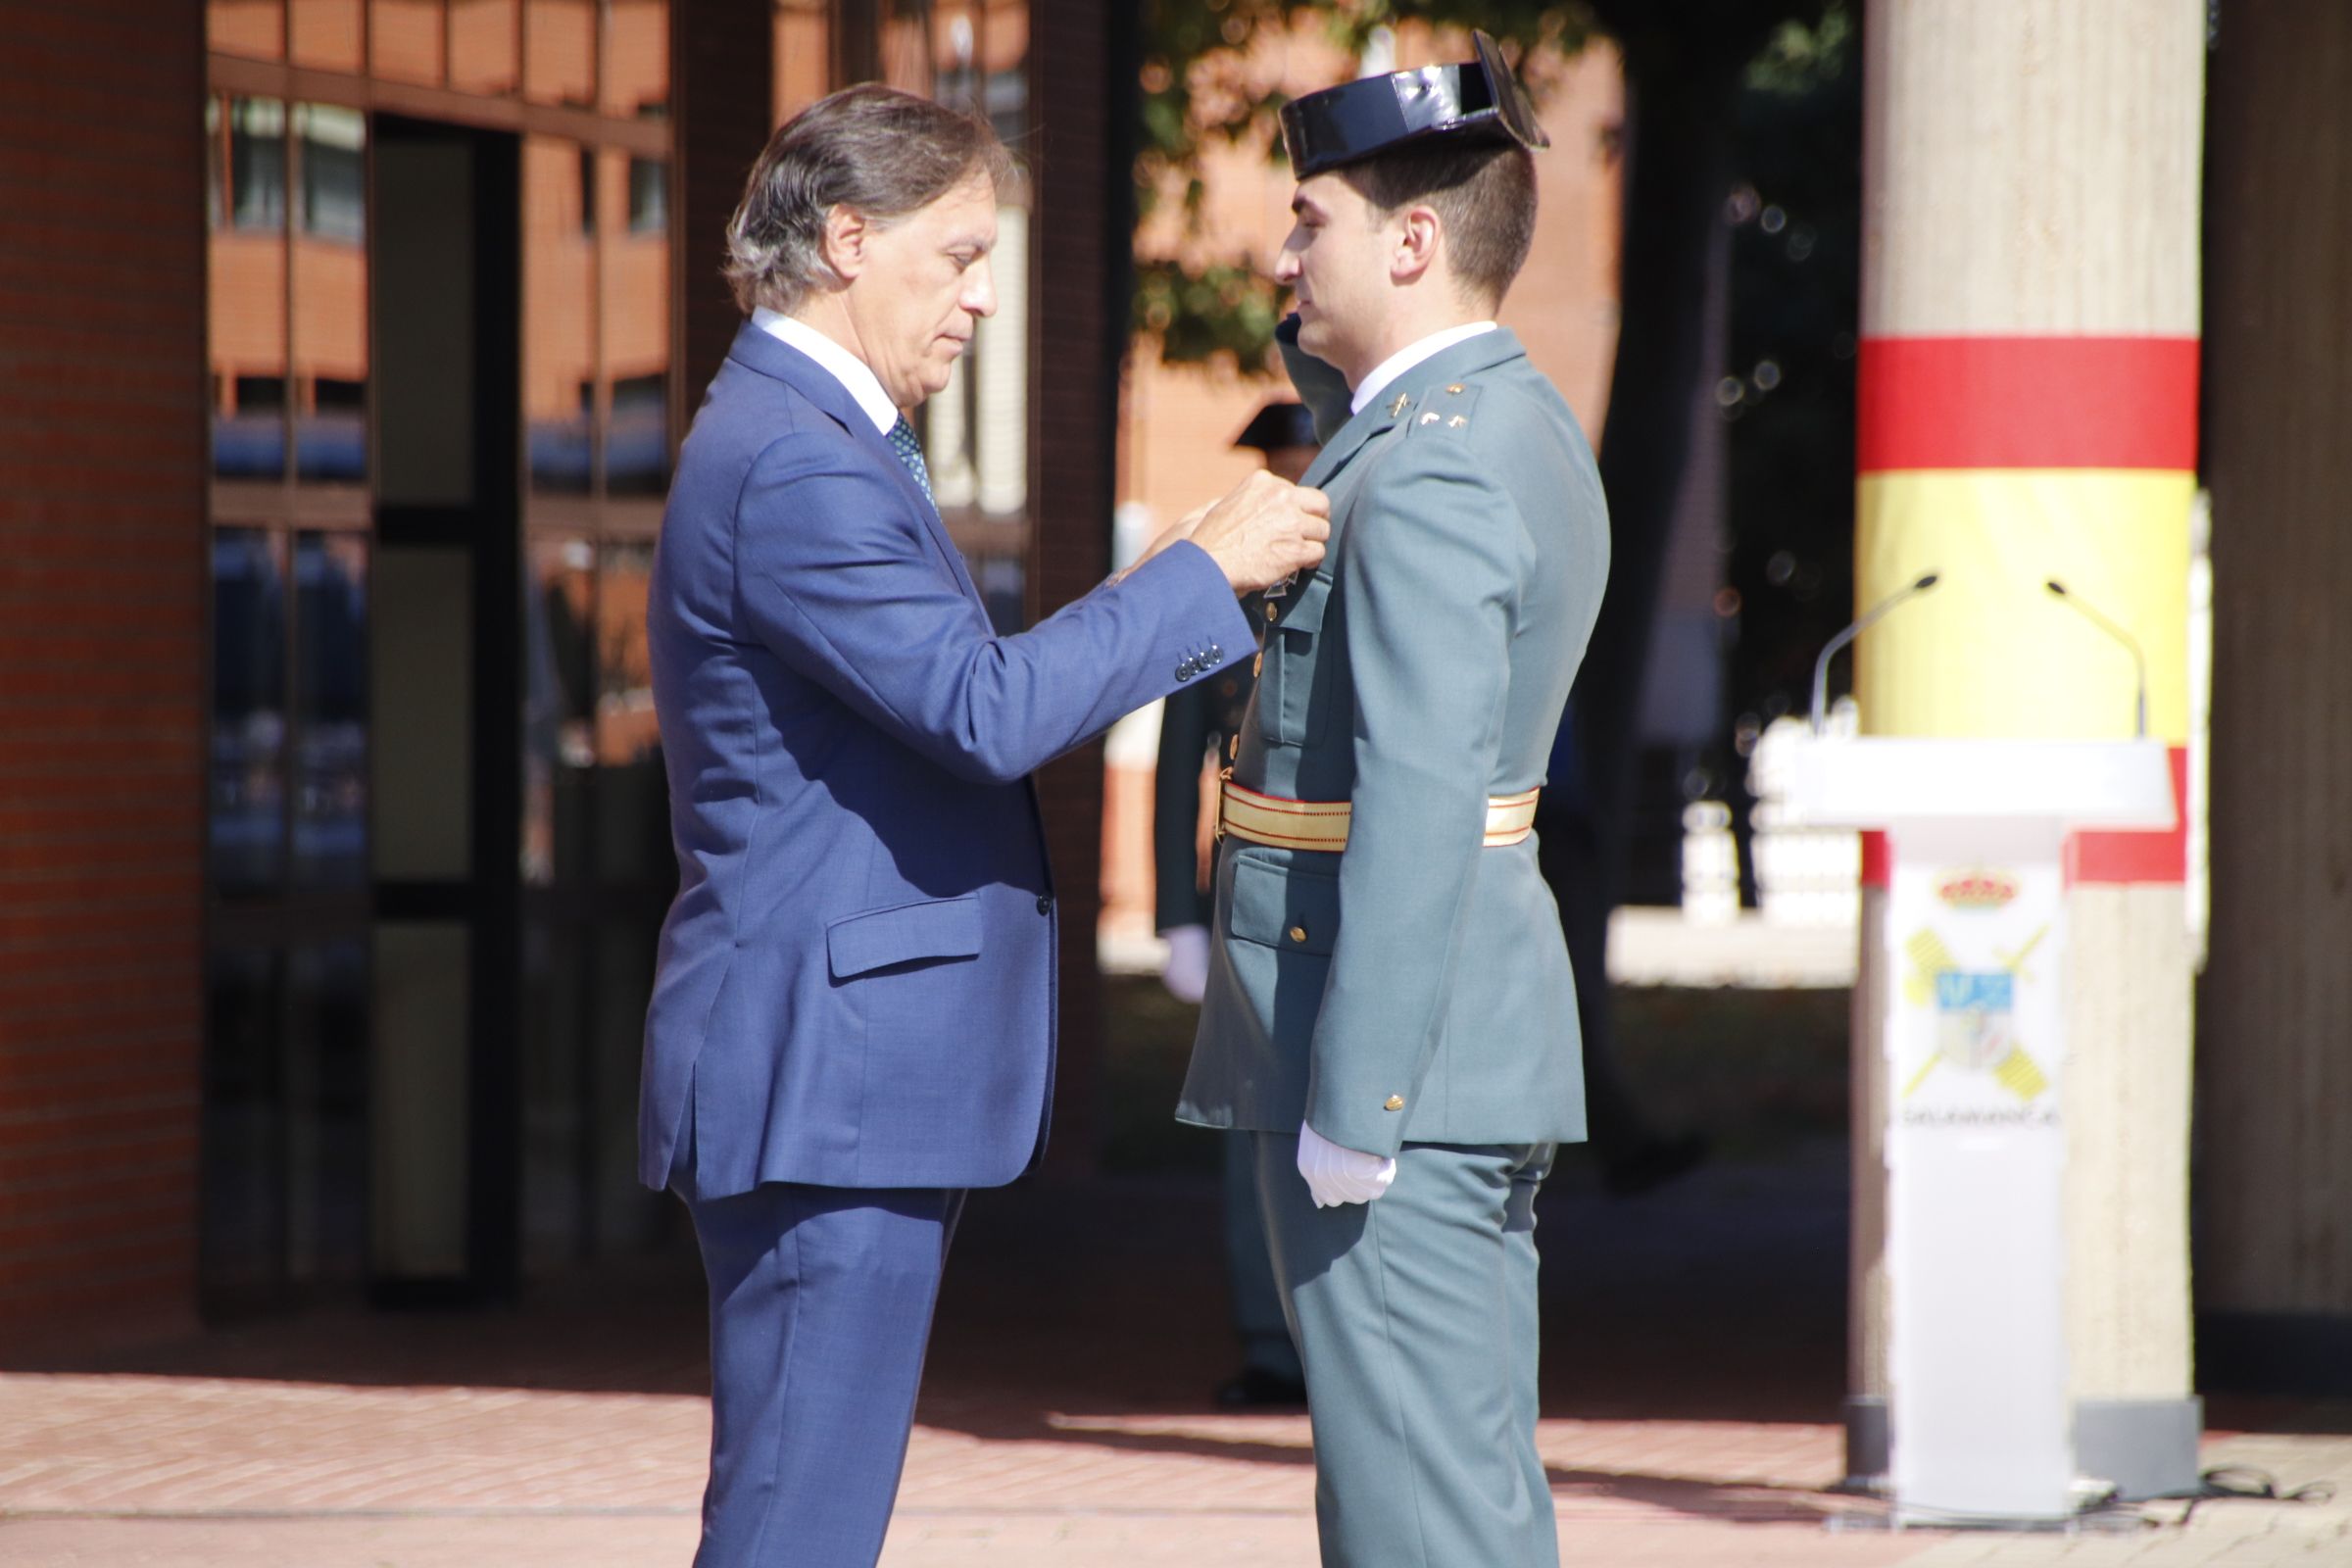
[853, 1016]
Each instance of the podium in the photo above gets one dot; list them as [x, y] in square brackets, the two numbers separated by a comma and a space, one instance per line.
[1979, 1418]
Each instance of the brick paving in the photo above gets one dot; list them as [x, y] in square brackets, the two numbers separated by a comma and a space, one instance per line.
[1691, 1364]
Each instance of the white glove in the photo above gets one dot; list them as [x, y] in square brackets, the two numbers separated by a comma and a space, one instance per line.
[1186, 973]
[1336, 1175]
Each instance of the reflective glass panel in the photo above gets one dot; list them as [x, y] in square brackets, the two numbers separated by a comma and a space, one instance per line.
[559, 52]
[482, 38]
[330, 695]
[253, 29]
[406, 41]
[955, 51]
[1004, 61]
[906, 47]
[1004, 584]
[330, 294]
[326, 34]
[246, 304]
[558, 327]
[627, 1216]
[248, 800]
[632, 799]
[560, 686]
[636, 76]
[243, 1196]
[635, 191]
[804, 54]
[558, 1159]
[325, 1110]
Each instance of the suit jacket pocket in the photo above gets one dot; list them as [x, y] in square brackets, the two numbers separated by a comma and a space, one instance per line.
[1284, 908]
[1293, 685]
[906, 933]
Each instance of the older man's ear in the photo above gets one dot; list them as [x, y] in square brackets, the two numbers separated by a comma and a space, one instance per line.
[846, 232]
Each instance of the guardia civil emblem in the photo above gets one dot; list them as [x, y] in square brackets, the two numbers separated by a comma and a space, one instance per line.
[1976, 1016]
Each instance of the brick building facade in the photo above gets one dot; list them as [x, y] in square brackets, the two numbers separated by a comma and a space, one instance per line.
[343, 347]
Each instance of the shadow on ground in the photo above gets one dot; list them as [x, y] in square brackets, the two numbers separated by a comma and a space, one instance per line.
[1721, 1298]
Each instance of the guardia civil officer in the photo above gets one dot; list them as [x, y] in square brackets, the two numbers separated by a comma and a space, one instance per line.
[1389, 1008]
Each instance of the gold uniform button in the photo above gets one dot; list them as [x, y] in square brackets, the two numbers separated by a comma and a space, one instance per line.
[1233, 750]
[1257, 663]
[1272, 610]
[1298, 933]
[1393, 1103]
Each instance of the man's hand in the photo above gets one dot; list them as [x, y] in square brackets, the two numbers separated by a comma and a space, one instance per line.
[1264, 530]
[1336, 1175]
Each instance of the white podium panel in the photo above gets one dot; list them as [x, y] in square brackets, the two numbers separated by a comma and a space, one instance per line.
[1977, 1414]
[1975, 1159]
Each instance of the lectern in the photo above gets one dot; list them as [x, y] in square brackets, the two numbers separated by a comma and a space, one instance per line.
[1975, 1036]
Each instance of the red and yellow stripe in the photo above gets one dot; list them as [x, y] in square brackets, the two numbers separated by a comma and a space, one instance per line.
[2002, 463]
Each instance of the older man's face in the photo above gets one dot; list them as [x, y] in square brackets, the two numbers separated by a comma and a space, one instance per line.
[926, 283]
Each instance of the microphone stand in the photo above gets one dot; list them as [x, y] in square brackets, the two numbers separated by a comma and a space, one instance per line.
[1870, 617]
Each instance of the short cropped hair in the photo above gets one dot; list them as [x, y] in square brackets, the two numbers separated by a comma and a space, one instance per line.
[1483, 192]
[879, 152]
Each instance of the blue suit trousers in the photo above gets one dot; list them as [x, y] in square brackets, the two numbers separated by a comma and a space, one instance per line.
[821, 1309]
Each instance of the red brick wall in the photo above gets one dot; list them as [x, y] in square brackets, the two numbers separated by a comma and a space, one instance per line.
[1081, 317]
[103, 587]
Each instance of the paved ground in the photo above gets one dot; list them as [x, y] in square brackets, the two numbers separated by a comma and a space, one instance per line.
[1693, 1369]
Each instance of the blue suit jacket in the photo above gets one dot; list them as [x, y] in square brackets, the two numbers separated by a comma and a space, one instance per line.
[856, 982]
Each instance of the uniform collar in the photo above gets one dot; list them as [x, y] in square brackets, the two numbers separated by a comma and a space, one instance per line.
[1404, 359]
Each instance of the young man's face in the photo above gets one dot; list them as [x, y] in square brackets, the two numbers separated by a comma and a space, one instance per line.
[1337, 261]
[925, 284]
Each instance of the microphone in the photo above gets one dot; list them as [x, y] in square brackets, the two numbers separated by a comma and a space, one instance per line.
[1821, 666]
[2139, 658]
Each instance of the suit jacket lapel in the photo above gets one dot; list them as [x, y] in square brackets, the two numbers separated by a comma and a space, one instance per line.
[772, 356]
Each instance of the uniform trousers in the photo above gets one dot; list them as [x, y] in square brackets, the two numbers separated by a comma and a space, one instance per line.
[1415, 1315]
[1258, 1319]
[821, 1309]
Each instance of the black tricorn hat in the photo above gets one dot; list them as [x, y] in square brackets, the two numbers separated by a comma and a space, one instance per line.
[1283, 422]
[1478, 98]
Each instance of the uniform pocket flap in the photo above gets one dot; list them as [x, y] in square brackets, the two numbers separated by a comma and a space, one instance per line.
[1284, 908]
[1303, 613]
[943, 928]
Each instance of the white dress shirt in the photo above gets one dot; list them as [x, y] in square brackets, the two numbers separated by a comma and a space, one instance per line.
[843, 366]
[1404, 359]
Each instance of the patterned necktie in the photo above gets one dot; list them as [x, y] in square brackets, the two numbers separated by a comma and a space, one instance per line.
[901, 441]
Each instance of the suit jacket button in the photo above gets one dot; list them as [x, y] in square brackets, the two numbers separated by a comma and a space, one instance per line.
[1216, 652]
[1044, 903]
[1393, 1103]
[1184, 670]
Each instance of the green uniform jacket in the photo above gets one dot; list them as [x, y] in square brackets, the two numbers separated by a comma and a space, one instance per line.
[1414, 986]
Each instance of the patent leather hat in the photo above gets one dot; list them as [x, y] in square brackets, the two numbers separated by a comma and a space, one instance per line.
[1478, 99]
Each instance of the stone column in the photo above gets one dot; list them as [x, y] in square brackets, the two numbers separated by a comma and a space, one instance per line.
[2028, 415]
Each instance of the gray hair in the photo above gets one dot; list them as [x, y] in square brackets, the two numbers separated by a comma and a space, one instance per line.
[879, 152]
